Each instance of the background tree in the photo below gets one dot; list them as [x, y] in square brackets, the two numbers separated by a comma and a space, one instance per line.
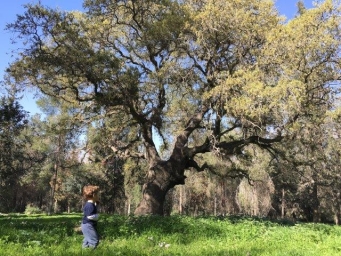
[62, 132]
[13, 156]
[108, 166]
[231, 72]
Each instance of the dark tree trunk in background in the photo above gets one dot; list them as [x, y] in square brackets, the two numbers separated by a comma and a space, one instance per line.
[316, 204]
[283, 204]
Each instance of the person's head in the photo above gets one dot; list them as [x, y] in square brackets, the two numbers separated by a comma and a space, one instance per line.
[91, 192]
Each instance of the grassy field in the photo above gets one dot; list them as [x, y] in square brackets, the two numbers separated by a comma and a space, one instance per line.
[176, 235]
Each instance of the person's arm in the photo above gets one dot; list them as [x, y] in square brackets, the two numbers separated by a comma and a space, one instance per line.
[93, 217]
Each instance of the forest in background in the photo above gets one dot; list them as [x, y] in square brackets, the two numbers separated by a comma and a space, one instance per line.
[44, 167]
[175, 107]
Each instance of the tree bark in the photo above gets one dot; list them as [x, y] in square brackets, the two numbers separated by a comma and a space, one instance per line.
[283, 204]
[180, 200]
[336, 214]
[316, 204]
[161, 178]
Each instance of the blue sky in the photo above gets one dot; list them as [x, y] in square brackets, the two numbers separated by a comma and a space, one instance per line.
[11, 8]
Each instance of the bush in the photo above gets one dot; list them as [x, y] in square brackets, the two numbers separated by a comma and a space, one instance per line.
[31, 209]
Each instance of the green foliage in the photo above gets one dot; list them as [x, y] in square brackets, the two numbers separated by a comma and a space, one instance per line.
[31, 209]
[174, 235]
[13, 158]
[206, 76]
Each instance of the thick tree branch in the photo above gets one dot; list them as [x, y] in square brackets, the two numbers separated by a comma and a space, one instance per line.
[234, 147]
[203, 148]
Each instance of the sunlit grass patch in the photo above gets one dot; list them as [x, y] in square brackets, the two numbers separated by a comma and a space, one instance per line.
[174, 235]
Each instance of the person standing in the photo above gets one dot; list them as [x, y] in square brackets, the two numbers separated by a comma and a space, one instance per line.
[90, 217]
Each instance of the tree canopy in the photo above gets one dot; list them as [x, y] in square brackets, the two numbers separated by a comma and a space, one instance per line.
[192, 76]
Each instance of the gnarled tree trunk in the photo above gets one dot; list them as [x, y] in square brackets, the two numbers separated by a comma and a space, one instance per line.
[161, 178]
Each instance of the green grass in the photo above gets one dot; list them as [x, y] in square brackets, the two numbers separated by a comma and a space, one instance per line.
[175, 235]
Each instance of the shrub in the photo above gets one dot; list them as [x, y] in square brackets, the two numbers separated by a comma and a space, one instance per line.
[31, 209]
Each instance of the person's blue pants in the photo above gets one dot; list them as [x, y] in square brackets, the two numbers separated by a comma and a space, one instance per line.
[91, 238]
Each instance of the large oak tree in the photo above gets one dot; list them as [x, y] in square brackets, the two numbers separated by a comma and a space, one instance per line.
[231, 73]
